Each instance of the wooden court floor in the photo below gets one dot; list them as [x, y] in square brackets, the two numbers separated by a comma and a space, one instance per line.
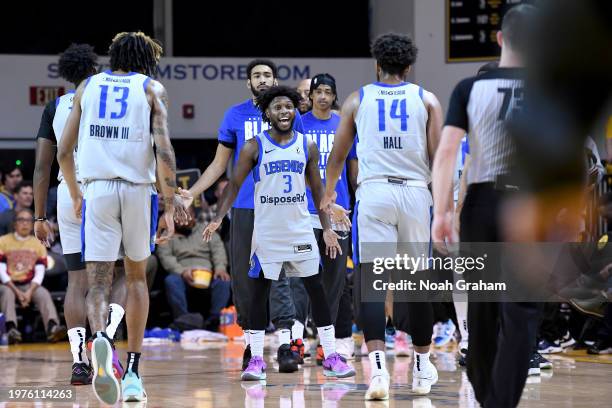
[209, 377]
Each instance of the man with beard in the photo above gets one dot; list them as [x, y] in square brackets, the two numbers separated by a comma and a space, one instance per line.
[182, 257]
[303, 89]
[241, 123]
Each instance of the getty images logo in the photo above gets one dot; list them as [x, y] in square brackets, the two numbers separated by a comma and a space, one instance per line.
[283, 200]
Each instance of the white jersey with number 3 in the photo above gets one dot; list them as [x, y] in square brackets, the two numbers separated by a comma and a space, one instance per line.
[392, 133]
[282, 231]
[115, 140]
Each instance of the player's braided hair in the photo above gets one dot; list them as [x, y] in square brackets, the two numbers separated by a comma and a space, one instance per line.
[134, 52]
[394, 52]
[265, 98]
[77, 63]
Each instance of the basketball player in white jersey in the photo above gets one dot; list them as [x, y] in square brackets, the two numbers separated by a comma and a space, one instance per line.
[281, 161]
[75, 64]
[117, 116]
[399, 125]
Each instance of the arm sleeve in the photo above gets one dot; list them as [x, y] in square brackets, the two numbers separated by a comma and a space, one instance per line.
[45, 130]
[41, 265]
[39, 274]
[457, 108]
[219, 257]
[168, 260]
[227, 134]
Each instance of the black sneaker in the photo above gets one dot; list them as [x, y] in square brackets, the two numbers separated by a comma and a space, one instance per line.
[246, 357]
[57, 332]
[601, 347]
[534, 365]
[462, 358]
[543, 362]
[81, 374]
[287, 362]
[14, 336]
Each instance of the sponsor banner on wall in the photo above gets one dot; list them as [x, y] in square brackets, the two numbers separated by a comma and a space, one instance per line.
[199, 89]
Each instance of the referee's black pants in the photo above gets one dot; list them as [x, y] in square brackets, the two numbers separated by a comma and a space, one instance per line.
[502, 335]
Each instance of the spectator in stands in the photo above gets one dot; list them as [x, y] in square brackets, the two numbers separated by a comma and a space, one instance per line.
[185, 258]
[23, 260]
[23, 197]
[11, 177]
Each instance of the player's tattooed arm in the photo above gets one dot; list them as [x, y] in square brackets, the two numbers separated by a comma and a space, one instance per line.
[246, 162]
[166, 161]
[343, 141]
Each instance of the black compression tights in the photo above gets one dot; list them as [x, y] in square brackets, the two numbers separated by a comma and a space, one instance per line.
[261, 292]
[415, 318]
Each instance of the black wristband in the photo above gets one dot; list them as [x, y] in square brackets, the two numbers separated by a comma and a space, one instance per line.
[40, 219]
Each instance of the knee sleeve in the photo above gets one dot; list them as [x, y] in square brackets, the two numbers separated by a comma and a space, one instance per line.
[74, 262]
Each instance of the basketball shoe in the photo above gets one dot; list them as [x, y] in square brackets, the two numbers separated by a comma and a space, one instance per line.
[132, 389]
[378, 388]
[105, 384]
[335, 366]
[81, 374]
[287, 360]
[424, 375]
[255, 370]
[297, 347]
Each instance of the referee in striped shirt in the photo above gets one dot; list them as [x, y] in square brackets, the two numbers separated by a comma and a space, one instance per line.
[502, 335]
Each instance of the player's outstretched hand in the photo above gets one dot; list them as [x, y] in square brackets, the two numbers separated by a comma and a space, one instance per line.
[186, 196]
[42, 231]
[210, 229]
[332, 246]
[181, 215]
[327, 202]
[340, 218]
[165, 228]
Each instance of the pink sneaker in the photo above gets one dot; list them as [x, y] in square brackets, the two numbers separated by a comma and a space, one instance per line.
[255, 371]
[402, 346]
[117, 367]
[336, 366]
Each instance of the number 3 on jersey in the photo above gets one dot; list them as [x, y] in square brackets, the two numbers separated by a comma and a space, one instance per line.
[287, 178]
[398, 111]
[123, 92]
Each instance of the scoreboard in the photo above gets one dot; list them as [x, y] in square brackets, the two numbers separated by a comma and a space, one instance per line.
[471, 28]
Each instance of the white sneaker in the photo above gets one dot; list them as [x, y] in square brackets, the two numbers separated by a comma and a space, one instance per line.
[346, 348]
[424, 375]
[567, 340]
[379, 387]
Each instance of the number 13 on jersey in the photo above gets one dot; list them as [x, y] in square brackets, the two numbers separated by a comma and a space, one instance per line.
[123, 92]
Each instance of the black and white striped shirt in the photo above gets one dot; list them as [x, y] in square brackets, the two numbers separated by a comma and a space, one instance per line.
[480, 105]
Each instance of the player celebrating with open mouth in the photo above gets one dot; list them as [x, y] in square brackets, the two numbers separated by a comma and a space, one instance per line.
[282, 161]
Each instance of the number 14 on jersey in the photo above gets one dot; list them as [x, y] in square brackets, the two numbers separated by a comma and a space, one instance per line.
[398, 111]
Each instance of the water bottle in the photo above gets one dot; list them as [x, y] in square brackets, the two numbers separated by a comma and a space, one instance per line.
[3, 333]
